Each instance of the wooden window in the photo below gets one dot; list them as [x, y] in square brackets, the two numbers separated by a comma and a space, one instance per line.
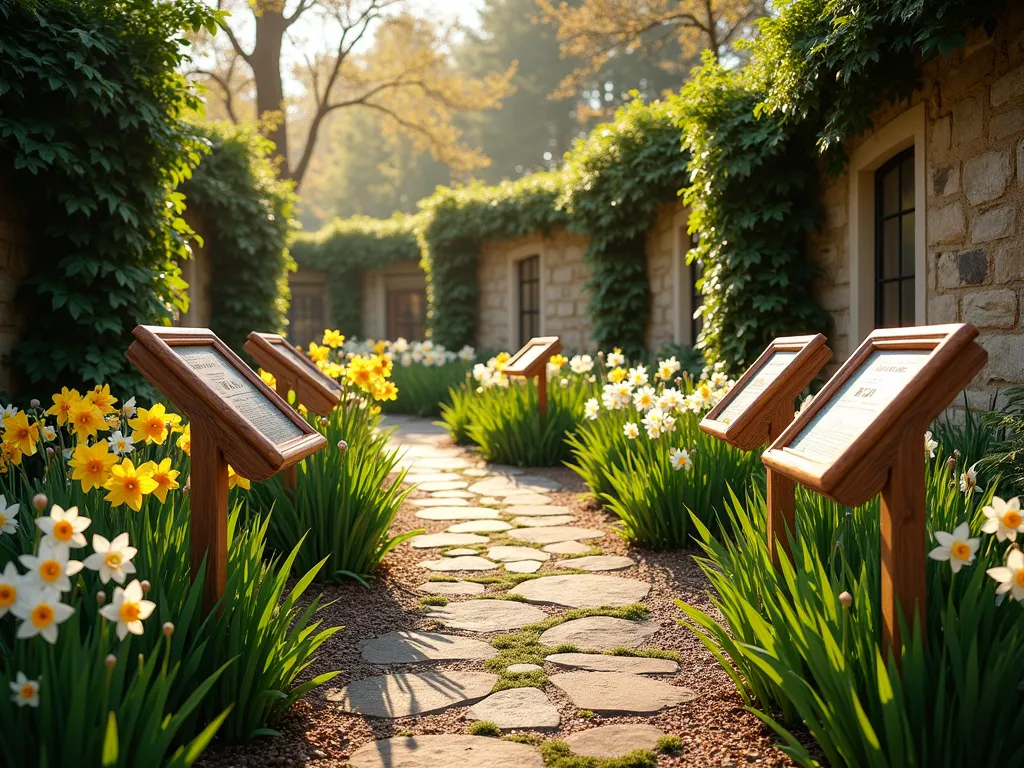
[307, 317]
[894, 242]
[529, 299]
[407, 314]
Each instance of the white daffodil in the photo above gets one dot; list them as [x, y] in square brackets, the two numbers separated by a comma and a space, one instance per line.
[680, 458]
[8, 513]
[1004, 519]
[128, 609]
[592, 408]
[63, 528]
[654, 423]
[668, 368]
[467, 353]
[631, 430]
[637, 376]
[120, 444]
[930, 445]
[128, 408]
[40, 612]
[644, 398]
[111, 558]
[8, 411]
[615, 359]
[719, 379]
[581, 364]
[49, 433]
[1010, 576]
[957, 547]
[50, 569]
[671, 400]
[10, 588]
[26, 692]
[969, 481]
[401, 345]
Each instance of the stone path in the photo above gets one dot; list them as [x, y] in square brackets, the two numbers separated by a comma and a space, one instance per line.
[500, 523]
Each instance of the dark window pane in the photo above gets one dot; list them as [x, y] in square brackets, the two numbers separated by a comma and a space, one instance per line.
[891, 191]
[907, 303]
[890, 262]
[907, 242]
[890, 304]
[529, 298]
[907, 183]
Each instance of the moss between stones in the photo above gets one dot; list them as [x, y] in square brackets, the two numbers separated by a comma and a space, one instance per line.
[510, 580]
[586, 714]
[429, 600]
[557, 754]
[524, 738]
[484, 728]
[647, 653]
[449, 579]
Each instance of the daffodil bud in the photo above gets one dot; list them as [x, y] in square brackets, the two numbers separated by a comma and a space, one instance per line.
[343, 447]
[49, 451]
[33, 403]
[323, 421]
[951, 464]
[101, 597]
[110, 661]
[168, 629]
[845, 599]
[39, 501]
[146, 586]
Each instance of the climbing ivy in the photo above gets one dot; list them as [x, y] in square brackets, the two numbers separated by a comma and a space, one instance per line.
[345, 249]
[92, 136]
[246, 214]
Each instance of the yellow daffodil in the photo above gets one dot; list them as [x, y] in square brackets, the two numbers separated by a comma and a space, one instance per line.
[235, 479]
[128, 609]
[317, 353]
[85, 419]
[128, 485]
[184, 441]
[18, 432]
[150, 424]
[381, 346]
[62, 403]
[386, 390]
[91, 464]
[555, 362]
[100, 396]
[166, 478]
[501, 359]
[9, 454]
[617, 375]
[268, 378]
[380, 365]
[333, 339]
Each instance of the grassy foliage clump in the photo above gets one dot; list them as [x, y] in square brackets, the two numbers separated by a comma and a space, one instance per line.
[558, 754]
[423, 390]
[484, 728]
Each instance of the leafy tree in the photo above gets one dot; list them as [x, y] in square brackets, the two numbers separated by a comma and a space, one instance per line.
[407, 76]
[598, 31]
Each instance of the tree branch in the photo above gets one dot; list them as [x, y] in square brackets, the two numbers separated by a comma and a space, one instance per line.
[229, 103]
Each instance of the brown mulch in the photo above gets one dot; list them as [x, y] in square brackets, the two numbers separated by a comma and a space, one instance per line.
[715, 728]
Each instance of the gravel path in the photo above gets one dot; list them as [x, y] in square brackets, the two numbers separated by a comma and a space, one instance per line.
[714, 728]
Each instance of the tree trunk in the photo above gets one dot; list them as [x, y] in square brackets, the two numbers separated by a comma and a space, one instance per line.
[712, 29]
[266, 69]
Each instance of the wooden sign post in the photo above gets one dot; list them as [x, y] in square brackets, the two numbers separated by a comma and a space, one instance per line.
[235, 419]
[760, 407]
[863, 434]
[532, 360]
[294, 371]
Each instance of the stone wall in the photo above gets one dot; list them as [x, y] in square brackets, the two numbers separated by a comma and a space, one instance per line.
[15, 255]
[563, 298]
[974, 177]
[197, 272]
[663, 273]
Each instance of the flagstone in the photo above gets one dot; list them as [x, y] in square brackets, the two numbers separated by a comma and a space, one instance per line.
[597, 563]
[405, 694]
[619, 693]
[480, 526]
[599, 633]
[602, 662]
[451, 588]
[536, 510]
[486, 615]
[506, 553]
[446, 485]
[460, 751]
[555, 534]
[444, 462]
[527, 499]
[439, 501]
[433, 540]
[542, 522]
[583, 590]
[461, 495]
[457, 513]
[459, 551]
[508, 486]
[459, 564]
[611, 741]
[520, 668]
[523, 566]
[431, 477]
[409, 647]
[567, 548]
[526, 708]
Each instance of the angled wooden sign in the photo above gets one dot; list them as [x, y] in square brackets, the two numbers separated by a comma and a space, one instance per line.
[532, 360]
[293, 370]
[757, 410]
[863, 434]
[234, 417]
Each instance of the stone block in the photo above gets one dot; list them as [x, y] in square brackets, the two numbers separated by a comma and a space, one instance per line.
[946, 181]
[1009, 86]
[946, 223]
[1006, 123]
[942, 309]
[995, 308]
[562, 275]
[939, 135]
[986, 176]
[970, 72]
[1008, 260]
[1020, 163]
[993, 224]
[1005, 361]
[967, 121]
[565, 309]
[957, 269]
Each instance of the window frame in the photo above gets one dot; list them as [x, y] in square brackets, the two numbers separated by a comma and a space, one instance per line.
[897, 163]
[532, 283]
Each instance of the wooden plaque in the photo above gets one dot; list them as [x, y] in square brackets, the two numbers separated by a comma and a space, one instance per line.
[293, 370]
[532, 359]
[761, 405]
[899, 379]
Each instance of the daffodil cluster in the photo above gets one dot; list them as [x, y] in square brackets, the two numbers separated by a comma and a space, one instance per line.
[41, 592]
[490, 374]
[362, 369]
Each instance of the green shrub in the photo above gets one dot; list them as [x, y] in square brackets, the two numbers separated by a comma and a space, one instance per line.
[507, 425]
[344, 502]
[798, 657]
[424, 390]
[1006, 455]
